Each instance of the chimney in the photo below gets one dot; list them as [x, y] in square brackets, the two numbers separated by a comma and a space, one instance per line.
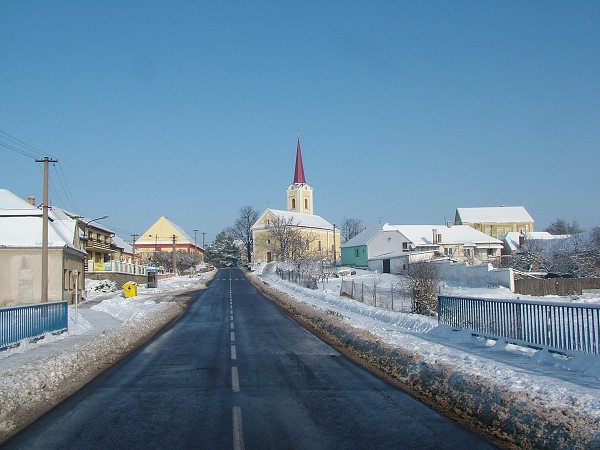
[31, 200]
[521, 240]
[449, 224]
[435, 236]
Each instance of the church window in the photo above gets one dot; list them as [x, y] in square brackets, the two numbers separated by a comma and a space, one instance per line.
[305, 203]
[319, 245]
[293, 203]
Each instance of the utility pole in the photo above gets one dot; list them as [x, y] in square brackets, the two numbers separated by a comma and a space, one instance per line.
[174, 255]
[46, 162]
[203, 234]
[134, 237]
[334, 252]
[195, 233]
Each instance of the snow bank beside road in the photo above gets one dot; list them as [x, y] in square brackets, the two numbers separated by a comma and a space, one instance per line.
[36, 377]
[518, 396]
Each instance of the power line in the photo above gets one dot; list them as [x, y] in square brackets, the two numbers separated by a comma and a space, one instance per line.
[25, 147]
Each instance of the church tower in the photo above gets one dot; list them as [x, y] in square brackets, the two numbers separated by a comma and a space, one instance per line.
[299, 194]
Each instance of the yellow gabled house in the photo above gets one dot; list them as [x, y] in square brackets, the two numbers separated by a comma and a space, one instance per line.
[165, 236]
[496, 221]
[322, 238]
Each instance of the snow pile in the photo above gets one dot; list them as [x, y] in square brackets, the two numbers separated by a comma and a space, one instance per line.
[104, 286]
[36, 376]
[523, 396]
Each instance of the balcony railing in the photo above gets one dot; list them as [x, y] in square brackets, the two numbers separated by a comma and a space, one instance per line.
[97, 244]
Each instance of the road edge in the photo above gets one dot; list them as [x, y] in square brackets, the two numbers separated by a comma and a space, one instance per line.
[507, 418]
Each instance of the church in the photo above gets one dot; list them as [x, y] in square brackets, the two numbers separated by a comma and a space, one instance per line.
[321, 237]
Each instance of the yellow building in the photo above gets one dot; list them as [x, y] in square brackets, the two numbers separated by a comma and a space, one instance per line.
[496, 221]
[165, 236]
[318, 239]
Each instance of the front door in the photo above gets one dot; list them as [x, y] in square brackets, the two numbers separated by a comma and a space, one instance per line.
[386, 266]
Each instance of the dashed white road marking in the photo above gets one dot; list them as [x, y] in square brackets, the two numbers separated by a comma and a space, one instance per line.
[235, 380]
[233, 353]
[238, 429]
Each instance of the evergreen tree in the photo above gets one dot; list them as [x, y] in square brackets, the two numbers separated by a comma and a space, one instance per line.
[223, 252]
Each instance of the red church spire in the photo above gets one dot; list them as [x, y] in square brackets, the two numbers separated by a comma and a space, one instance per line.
[299, 172]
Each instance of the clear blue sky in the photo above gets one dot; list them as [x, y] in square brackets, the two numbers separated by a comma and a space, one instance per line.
[407, 110]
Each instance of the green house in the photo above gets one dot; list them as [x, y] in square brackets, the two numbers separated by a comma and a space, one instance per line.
[355, 252]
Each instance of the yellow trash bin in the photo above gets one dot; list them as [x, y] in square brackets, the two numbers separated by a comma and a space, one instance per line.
[130, 289]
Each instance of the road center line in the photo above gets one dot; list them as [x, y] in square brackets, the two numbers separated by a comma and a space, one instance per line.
[238, 430]
[233, 353]
[232, 336]
[235, 380]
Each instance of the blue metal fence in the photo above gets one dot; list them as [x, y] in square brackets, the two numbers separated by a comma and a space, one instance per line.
[23, 322]
[560, 327]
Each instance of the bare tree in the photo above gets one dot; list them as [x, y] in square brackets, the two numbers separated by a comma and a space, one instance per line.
[285, 236]
[184, 260]
[242, 228]
[423, 280]
[350, 228]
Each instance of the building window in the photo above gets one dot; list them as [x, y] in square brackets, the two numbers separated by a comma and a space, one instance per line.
[293, 203]
[305, 203]
[319, 245]
[356, 252]
[405, 246]
[491, 251]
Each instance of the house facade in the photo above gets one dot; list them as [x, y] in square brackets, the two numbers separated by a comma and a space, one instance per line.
[496, 221]
[391, 248]
[355, 251]
[165, 236]
[21, 225]
[321, 237]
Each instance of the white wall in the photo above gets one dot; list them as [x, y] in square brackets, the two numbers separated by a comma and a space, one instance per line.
[385, 242]
[478, 275]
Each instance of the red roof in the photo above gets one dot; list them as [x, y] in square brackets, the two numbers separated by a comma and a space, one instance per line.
[299, 172]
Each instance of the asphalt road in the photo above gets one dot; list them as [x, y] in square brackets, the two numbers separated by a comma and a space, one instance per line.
[235, 372]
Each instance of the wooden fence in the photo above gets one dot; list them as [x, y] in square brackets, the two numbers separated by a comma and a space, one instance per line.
[555, 286]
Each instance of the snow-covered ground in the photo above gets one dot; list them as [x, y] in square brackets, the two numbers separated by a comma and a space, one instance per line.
[572, 383]
[36, 375]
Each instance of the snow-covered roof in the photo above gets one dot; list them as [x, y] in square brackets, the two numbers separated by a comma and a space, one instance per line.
[26, 232]
[493, 214]
[455, 234]
[364, 237]
[552, 240]
[120, 243]
[21, 224]
[303, 220]
[13, 205]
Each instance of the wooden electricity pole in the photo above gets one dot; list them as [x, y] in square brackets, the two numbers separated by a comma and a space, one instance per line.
[174, 255]
[44, 296]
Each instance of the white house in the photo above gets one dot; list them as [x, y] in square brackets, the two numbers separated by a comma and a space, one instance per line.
[397, 245]
[21, 254]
